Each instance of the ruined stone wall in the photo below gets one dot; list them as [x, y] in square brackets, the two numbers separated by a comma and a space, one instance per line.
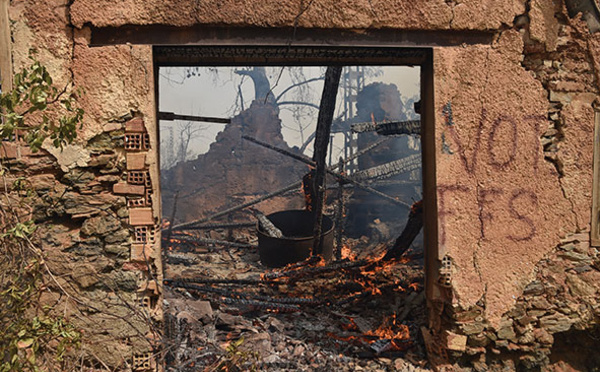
[94, 201]
[513, 132]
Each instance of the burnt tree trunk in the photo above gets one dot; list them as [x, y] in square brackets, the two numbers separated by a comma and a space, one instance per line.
[323, 132]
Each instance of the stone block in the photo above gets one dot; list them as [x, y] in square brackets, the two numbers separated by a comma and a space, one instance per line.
[136, 161]
[556, 323]
[141, 216]
[455, 341]
[135, 125]
[123, 188]
[109, 127]
[561, 97]
[13, 150]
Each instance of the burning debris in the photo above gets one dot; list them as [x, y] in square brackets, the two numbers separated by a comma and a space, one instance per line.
[355, 310]
[362, 307]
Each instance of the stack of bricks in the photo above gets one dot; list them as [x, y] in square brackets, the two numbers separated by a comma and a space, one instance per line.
[138, 189]
[145, 248]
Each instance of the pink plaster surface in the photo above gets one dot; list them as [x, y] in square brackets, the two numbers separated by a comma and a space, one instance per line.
[500, 204]
[344, 14]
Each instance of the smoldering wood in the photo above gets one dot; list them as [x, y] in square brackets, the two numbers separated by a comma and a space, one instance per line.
[267, 226]
[381, 345]
[311, 272]
[410, 127]
[308, 189]
[170, 116]
[322, 137]
[390, 169]
[281, 273]
[408, 235]
[178, 259]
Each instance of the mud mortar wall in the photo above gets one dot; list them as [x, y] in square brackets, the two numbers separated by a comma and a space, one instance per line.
[513, 145]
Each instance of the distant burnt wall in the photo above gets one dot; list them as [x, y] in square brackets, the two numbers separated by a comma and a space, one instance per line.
[235, 169]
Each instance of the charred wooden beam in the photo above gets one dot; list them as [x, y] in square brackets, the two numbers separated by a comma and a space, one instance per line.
[197, 239]
[281, 273]
[399, 127]
[169, 116]
[184, 226]
[373, 191]
[261, 305]
[408, 235]
[290, 154]
[390, 169]
[216, 226]
[213, 281]
[311, 272]
[309, 191]
[389, 128]
[322, 137]
[382, 345]
[267, 226]
[339, 214]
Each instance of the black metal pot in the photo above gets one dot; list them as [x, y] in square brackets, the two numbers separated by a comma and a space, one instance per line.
[297, 227]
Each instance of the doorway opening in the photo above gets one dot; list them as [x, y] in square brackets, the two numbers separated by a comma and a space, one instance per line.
[247, 283]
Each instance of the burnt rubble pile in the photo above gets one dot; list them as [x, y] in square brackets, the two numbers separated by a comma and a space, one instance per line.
[355, 314]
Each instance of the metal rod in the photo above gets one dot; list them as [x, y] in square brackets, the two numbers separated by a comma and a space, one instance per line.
[169, 116]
